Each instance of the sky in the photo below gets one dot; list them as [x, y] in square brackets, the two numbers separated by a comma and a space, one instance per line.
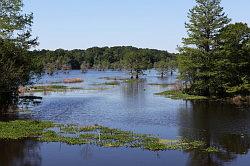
[80, 24]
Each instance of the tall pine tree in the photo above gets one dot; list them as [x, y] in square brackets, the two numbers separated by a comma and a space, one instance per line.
[196, 66]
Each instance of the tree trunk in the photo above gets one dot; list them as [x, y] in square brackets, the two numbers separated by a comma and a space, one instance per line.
[137, 75]
[162, 74]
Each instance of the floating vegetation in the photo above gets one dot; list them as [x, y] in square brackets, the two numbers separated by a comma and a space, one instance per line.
[23, 129]
[176, 94]
[134, 80]
[96, 89]
[113, 78]
[96, 134]
[53, 88]
[158, 84]
[56, 82]
[111, 83]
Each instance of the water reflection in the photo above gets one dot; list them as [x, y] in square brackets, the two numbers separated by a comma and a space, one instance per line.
[87, 152]
[134, 93]
[219, 125]
[133, 106]
[20, 153]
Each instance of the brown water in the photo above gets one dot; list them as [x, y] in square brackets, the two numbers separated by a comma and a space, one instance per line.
[133, 106]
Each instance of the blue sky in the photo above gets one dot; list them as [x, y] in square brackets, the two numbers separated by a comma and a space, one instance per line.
[142, 23]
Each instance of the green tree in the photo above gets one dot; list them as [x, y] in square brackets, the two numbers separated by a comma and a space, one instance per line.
[15, 25]
[15, 39]
[162, 67]
[233, 59]
[84, 67]
[135, 63]
[196, 62]
[206, 19]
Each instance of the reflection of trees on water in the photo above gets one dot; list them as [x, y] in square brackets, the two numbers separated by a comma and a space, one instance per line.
[219, 125]
[20, 153]
[87, 152]
[134, 92]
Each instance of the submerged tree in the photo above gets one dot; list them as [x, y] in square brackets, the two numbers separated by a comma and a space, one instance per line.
[84, 67]
[165, 66]
[162, 67]
[135, 63]
[15, 39]
[196, 62]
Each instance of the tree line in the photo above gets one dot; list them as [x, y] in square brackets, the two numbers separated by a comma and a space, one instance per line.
[129, 58]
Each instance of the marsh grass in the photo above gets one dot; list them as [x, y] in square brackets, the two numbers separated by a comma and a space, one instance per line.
[113, 78]
[53, 88]
[110, 83]
[133, 81]
[176, 94]
[96, 134]
[157, 84]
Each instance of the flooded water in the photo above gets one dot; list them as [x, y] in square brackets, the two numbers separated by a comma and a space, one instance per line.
[132, 106]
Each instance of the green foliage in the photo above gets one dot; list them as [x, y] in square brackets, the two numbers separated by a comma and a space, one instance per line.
[164, 66]
[214, 60]
[135, 63]
[233, 59]
[206, 19]
[15, 71]
[15, 39]
[96, 58]
[15, 25]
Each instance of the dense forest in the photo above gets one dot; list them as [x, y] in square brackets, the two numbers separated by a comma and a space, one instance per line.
[121, 57]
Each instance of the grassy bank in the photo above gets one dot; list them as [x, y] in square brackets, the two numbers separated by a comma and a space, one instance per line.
[176, 94]
[98, 135]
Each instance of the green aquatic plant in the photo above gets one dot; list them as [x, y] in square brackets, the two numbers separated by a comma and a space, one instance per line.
[98, 135]
[133, 81]
[112, 83]
[89, 128]
[53, 88]
[158, 84]
[176, 94]
[69, 129]
[23, 129]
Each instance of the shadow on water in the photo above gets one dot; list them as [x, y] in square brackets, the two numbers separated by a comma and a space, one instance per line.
[20, 153]
[20, 109]
[218, 125]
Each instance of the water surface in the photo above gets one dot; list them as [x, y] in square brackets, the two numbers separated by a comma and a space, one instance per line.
[132, 106]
